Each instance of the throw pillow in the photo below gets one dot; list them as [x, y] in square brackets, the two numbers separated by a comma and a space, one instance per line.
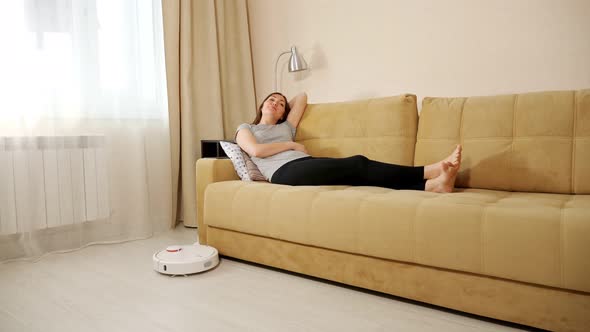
[244, 166]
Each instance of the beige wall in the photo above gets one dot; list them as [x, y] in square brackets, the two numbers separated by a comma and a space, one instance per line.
[367, 48]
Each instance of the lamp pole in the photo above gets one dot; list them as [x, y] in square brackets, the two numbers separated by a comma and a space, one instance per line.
[276, 66]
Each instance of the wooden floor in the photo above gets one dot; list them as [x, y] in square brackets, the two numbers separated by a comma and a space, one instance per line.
[113, 288]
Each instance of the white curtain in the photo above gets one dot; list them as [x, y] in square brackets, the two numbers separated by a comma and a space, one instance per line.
[84, 135]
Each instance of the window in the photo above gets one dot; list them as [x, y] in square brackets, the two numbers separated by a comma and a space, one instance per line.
[82, 58]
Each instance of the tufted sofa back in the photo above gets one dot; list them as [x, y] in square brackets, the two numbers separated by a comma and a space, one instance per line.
[382, 129]
[533, 142]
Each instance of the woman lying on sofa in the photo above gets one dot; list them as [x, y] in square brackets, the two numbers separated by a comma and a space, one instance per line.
[269, 142]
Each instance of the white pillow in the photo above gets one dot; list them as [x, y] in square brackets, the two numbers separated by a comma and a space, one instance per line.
[244, 166]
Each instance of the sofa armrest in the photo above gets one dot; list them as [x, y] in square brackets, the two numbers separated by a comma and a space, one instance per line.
[210, 170]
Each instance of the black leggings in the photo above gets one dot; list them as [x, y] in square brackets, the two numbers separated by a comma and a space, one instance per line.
[352, 171]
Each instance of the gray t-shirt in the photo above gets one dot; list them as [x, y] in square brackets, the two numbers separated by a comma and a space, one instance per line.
[284, 132]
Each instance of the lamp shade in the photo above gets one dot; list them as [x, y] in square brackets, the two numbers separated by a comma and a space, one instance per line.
[296, 62]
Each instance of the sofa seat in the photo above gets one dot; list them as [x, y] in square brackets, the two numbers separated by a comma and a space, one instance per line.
[529, 237]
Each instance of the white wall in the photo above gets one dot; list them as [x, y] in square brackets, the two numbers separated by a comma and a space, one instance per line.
[370, 48]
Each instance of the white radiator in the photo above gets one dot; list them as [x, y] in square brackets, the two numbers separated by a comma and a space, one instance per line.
[51, 181]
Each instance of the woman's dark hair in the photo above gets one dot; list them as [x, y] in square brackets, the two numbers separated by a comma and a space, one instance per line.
[259, 110]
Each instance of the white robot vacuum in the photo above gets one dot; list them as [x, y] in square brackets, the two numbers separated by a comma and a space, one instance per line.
[187, 259]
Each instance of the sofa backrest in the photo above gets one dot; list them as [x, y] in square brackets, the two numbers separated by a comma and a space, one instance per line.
[382, 129]
[534, 142]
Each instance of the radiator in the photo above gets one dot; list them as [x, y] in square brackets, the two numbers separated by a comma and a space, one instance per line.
[52, 181]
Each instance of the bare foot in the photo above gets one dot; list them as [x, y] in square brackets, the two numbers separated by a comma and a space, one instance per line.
[445, 182]
[435, 170]
[455, 156]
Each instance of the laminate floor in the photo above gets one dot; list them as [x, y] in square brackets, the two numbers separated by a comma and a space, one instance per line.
[114, 288]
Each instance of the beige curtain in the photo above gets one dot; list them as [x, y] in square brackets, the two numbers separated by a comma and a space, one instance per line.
[210, 84]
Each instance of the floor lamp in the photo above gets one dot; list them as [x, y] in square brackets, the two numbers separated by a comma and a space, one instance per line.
[296, 63]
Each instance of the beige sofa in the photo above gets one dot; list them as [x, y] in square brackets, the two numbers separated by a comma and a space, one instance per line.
[512, 243]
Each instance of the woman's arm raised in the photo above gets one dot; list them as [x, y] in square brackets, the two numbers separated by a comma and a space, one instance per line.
[298, 105]
[248, 143]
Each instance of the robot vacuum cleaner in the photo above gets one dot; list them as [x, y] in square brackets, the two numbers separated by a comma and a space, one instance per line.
[187, 259]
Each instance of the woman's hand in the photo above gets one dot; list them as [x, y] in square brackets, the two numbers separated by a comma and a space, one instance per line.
[247, 142]
[299, 147]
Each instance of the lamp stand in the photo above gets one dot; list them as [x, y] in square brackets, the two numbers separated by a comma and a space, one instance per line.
[276, 66]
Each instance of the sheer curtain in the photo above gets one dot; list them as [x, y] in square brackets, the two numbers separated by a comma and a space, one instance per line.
[84, 134]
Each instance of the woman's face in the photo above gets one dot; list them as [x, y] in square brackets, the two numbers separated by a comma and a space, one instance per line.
[274, 106]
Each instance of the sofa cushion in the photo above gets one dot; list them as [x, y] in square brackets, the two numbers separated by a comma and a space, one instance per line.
[382, 129]
[533, 142]
[536, 238]
[244, 166]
